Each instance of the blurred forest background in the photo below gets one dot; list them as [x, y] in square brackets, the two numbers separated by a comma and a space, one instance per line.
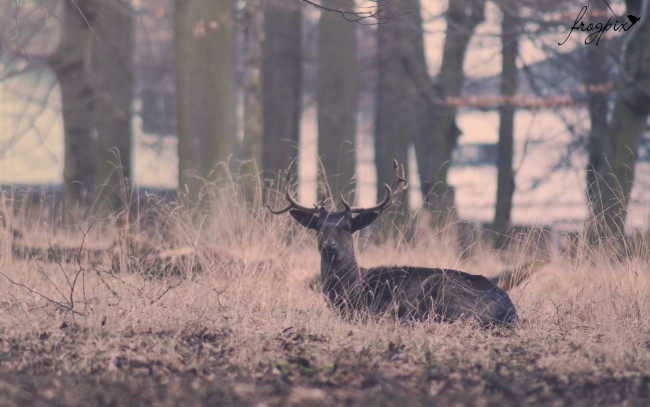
[497, 122]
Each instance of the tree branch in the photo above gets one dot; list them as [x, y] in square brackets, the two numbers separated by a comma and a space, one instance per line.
[351, 16]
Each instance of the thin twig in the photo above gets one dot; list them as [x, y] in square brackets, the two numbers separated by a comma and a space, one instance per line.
[111, 289]
[171, 287]
[80, 268]
[40, 269]
[45, 297]
[57, 260]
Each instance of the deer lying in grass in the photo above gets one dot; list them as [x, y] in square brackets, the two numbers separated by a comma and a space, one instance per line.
[405, 291]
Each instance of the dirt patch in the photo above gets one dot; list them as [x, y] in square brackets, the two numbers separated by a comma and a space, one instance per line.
[371, 388]
[301, 368]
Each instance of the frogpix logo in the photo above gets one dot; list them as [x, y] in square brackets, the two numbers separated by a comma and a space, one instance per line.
[597, 30]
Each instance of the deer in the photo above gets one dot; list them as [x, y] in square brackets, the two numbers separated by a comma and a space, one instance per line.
[404, 292]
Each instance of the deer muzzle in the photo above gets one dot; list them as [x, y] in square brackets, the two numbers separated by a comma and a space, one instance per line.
[330, 247]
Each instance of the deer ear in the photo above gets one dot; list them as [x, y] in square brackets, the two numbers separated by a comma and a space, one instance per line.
[361, 221]
[307, 219]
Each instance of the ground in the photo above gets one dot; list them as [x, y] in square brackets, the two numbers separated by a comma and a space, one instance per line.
[230, 313]
[305, 370]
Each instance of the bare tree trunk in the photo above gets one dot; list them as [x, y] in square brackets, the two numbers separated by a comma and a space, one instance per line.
[434, 147]
[114, 76]
[253, 118]
[596, 80]
[509, 83]
[395, 104]
[253, 125]
[617, 159]
[71, 64]
[281, 83]
[205, 89]
[337, 101]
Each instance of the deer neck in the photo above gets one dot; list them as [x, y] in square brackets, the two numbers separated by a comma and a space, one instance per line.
[339, 273]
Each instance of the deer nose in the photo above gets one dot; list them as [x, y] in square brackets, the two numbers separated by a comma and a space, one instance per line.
[330, 245]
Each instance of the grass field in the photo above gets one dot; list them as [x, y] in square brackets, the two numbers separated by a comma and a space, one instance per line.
[191, 312]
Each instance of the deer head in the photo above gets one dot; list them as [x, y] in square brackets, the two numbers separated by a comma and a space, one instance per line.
[335, 228]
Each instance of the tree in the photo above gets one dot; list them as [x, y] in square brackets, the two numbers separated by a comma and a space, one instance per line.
[337, 97]
[205, 88]
[395, 102]
[94, 69]
[613, 165]
[509, 82]
[253, 124]
[114, 79]
[71, 64]
[596, 82]
[253, 120]
[281, 84]
[434, 146]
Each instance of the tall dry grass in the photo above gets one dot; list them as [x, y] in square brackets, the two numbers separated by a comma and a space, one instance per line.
[253, 286]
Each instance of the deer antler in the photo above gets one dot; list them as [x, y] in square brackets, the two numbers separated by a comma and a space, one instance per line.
[293, 204]
[392, 193]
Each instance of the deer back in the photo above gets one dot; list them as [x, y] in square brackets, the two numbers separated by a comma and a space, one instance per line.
[441, 294]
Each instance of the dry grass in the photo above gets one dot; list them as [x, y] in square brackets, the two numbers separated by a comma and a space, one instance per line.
[244, 327]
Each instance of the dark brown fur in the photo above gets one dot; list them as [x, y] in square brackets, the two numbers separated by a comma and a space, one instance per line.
[405, 292]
